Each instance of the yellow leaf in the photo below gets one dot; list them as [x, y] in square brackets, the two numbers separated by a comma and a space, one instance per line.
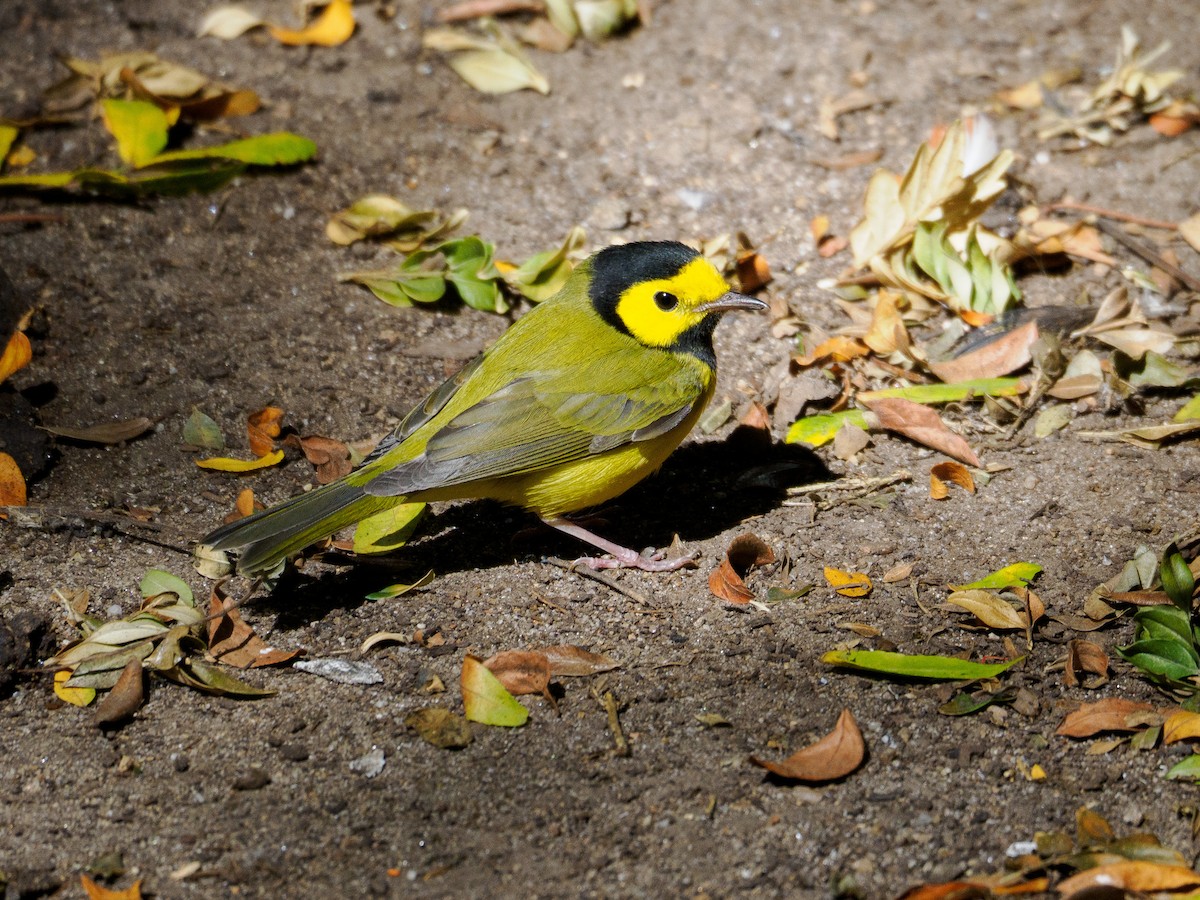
[848, 584]
[1036, 773]
[333, 27]
[227, 464]
[76, 696]
[484, 698]
[988, 608]
[16, 356]
[1181, 726]
[99, 892]
[1130, 876]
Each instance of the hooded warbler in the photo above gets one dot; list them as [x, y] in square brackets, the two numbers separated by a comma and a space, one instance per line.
[581, 398]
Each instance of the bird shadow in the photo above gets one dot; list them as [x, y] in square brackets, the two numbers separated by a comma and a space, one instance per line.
[703, 490]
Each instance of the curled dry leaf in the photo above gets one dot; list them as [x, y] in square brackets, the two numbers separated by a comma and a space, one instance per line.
[834, 756]
[848, 584]
[105, 433]
[1182, 725]
[331, 457]
[383, 637]
[232, 642]
[744, 553]
[522, 672]
[332, 27]
[567, 660]
[953, 472]
[838, 348]
[921, 424]
[1085, 657]
[126, 696]
[228, 22]
[1128, 875]
[263, 427]
[991, 609]
[17, 354]
[1111, 714]
[12, 482]
[752, 270]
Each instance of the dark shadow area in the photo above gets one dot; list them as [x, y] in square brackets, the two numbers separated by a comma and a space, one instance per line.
[703, 490]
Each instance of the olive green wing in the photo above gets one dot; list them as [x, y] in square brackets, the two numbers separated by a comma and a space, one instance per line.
[534, 423]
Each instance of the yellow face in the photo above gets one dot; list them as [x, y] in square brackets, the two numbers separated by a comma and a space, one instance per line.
[657, 312]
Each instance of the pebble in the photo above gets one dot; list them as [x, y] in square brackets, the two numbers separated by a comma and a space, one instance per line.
[252, 779]
[369, 764]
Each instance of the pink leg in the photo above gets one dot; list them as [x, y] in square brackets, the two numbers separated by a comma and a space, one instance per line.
[623, 557]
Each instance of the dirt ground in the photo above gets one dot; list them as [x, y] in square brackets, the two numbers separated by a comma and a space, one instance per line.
[228, 302]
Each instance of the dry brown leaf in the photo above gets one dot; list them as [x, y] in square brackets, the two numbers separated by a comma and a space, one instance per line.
[125, 698]
[263, 427]
[331, 457]
[1085, 656]
[744, 553]
[898, 573]
[953, 472]
[232, 642]
[440, 727]
[1110, 714]
[994, 359]
[521, 672]
[1129, 875]
[1025, 96]
[752, 270]
[948, 890]
[12, 482]
[923, 425]
[1182, 725]
[887, 333]
[838, 348]
[567, 660]
[106, 432]
[834, 756]
[1092, 829]
[757, 417]
[849, 440]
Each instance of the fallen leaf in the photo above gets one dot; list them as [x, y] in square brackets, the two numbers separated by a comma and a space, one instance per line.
[848, 584]
[484, 698]
[567, 660]
[228, 22]
[76, 696]
[713, 720]
[898, 573]
[953, 472]
[1181, 726]
[838, 348]
[99, 892]
[399, 590]
[1085, 656]
[201, 431]
[126, 696]
[228, 464]
[521, 672]
[383, 637]
[332, 458]
[105, 433]
[234, 643]
[440, 727]
[1002, 356]
[17, 355]
[1110, 714]
[140, 129]
[12, 482]
[992, 610]
[263, 427]
[905, 665]
[752, 271]
[332, 27]
[1051, 419]
[921, 424]
[745, 552]
[1026, 96]
[834, 756]
[1014, 575]
[1129, 875]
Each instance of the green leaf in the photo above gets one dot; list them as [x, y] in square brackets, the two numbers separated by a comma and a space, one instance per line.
[1177, 579]
[176, 179]
[278, 149]
[470, 270]
[1154, 370]
[543, 274]
[818, 430]
[1186, 768]
[102, 670]
[156, 582]
[201, 431]
[139, 127]
[202, 676]
[1164, 658]
[49, 180]
[485, 699]
[8, 136]
[964, 704]
[1164, 623]
[388, 529]
[931, 394]
[1189, 412]
[940, 668]
[1015, 575]
[399, 590]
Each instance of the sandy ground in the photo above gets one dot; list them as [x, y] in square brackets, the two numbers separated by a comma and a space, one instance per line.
[228, 302]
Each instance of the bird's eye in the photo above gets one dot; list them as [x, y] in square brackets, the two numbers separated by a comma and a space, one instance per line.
[666, 301]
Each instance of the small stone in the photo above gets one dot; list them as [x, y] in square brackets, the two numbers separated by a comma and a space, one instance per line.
[179, 762]
[293, 752]
[369, 764]
[252, 779]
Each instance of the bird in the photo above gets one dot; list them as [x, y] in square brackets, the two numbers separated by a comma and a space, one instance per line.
[578, 400]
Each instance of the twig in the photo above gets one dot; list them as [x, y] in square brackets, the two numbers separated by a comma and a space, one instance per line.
[43, 518]
[854, 488]
[31, 218]
[1150, 255]
[476, 9]
[613, 709]
[1114, 214]
[601, 577]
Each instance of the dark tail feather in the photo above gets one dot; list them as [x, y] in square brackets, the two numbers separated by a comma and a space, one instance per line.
[267, 538]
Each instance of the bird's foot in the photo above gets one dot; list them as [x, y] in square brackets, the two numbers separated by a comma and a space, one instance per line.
[621, 557]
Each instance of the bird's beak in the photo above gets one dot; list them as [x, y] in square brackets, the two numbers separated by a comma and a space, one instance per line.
[730, 301]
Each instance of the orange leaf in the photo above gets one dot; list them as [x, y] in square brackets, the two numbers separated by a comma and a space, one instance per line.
[522, 672]
[953, 472]
[974, 318]
[848, 584]
[331, 457]
[744, 553]
[1170, 126]
[752, 270]
[333, 27]
[232, 642]
[1111, 714]
[1004, 355]
[99, 892]
[12, 482]
[838, 348]
[923, 425]
[17, 354]
[950, 890]
[263, 427]
[834, 756]
[1130, 876]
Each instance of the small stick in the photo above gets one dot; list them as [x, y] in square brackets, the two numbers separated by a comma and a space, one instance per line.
[476, 9]
[31, 218]
[1116, 214]
[612, 708]
[601, 577]
[1150, 255]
